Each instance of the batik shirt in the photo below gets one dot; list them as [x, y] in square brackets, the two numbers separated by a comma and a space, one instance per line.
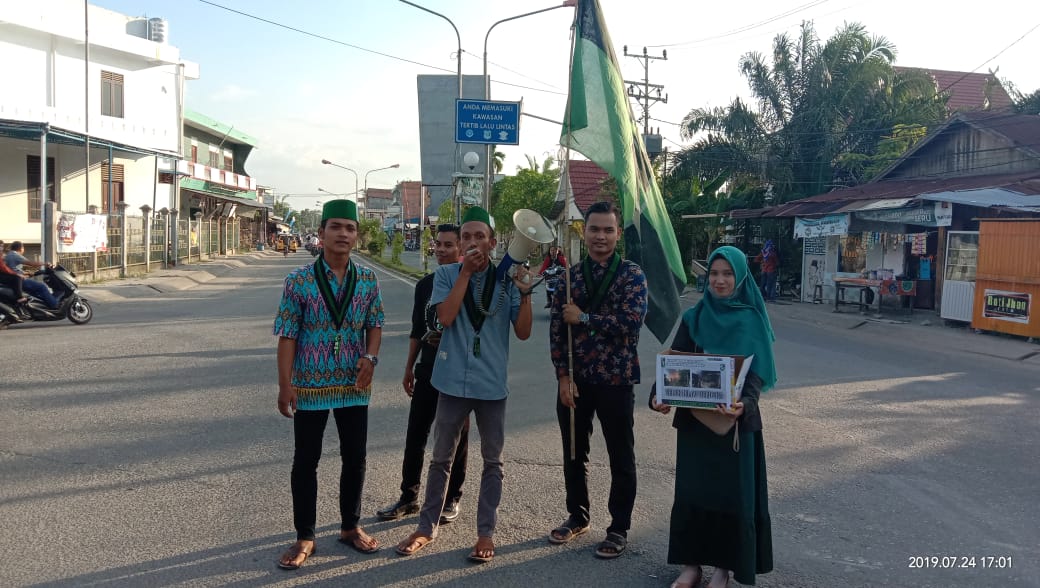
[605, 349]
[320, 379]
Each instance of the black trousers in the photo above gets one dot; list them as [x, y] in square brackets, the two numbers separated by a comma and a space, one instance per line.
[614, 406]
[308, 430]
[13, 282]
[420, 418]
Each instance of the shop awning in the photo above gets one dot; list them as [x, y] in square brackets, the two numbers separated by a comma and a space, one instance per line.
[215, 191]
[31, 131]
[986, 198]
[885, 204]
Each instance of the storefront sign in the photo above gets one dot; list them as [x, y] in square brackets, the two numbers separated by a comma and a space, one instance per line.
[82, 233]
[1006, 306]
[833, 224]
[930, 215]
[943, 214]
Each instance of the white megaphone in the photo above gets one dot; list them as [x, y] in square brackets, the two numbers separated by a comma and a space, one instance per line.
[532, 230]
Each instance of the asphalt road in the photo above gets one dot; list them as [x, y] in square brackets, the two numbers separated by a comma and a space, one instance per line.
[144, 449]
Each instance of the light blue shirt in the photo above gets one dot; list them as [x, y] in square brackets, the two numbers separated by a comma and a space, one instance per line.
[457, 371]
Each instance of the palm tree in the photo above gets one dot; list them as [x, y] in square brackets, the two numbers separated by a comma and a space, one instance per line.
[498, 160]
[815, 102]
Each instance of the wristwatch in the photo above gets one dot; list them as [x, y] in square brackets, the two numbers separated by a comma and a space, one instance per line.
[583, 318]
[372, 358]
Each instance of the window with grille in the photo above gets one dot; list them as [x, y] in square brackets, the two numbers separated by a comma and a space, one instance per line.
[32, 184]
[112, 94]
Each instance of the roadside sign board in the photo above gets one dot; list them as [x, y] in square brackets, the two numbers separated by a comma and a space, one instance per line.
[487, 121]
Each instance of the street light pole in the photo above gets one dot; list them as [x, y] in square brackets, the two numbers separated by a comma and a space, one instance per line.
[327, 162]
[394, 166]
[489, 150]
[458, 75]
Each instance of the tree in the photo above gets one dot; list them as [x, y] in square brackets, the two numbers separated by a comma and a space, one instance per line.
[499, 161]
[281, 206]
[533, 188]
[815, 102]
[396, 248]
[1026, 103]
[446, 211]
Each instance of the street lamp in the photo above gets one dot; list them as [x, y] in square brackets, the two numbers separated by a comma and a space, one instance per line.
[489, 162]
[394, 166]
[458, 37]
[327, 162]
[330, 194]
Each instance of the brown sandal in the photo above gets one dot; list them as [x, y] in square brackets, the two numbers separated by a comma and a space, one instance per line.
[413, 544]
[483, 551]
[361, 541]
[288, 559]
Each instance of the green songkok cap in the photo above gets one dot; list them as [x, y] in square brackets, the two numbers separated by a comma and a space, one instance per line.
[476, 213]
[339, 209]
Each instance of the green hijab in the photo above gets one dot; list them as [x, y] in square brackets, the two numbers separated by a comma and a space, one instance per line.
[738, 325]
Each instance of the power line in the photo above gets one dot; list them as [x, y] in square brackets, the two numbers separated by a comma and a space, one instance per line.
[984, 123]
[358, 47]
[749, 27]
[512, 71]
[999, 53]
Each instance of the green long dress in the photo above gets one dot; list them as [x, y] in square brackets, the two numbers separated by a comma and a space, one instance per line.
[720, 513]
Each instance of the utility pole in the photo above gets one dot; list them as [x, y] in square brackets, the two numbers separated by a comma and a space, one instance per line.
[641, 90]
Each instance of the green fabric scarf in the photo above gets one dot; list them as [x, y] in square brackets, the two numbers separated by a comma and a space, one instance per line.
[738, 325]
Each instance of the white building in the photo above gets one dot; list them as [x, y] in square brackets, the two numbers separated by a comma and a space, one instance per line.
[123, 91]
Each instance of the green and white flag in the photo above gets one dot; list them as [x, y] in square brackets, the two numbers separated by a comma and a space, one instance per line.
[601, 127]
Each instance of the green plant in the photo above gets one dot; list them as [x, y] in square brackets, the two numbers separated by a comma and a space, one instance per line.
[397, 248]
[377, 243]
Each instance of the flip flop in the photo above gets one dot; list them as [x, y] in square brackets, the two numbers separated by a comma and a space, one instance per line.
[294, 552]
[613, 546]
[358, 540]
[413, 544]
[477, 549]
[566, 532]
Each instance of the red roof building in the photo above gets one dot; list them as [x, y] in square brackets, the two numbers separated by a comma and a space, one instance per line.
[968, 91]
[586, 182]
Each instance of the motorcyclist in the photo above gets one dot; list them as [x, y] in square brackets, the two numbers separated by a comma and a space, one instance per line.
[15, 260]
[554, 258]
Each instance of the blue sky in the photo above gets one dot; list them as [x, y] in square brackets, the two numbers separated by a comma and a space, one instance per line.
[306, 99]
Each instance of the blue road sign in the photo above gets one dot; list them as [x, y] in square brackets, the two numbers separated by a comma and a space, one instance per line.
[487, 121]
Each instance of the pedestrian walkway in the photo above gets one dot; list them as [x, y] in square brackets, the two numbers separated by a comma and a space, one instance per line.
[181, 277]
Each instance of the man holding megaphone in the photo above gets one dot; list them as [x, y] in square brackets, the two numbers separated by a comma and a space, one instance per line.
[600, 323]
[476, 310]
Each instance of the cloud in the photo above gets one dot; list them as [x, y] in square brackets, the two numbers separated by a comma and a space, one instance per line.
[232, 93]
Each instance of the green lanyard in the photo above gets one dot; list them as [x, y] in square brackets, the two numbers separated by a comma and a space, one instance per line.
[475, 316]
[337, 307]
[599, 289]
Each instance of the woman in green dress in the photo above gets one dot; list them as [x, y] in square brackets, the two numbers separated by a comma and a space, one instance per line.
[720, 514]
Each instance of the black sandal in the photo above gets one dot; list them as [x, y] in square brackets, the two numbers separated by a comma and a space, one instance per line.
[613, 546]
[566, 532]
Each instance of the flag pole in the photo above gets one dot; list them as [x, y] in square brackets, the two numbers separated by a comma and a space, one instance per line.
[567, 201]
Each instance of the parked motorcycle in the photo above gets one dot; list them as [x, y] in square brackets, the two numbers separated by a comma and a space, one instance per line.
[65, 288]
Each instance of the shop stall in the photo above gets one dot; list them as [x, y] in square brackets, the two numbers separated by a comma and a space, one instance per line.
[1007, 278]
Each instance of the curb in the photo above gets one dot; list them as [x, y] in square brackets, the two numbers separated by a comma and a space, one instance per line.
[174, 279]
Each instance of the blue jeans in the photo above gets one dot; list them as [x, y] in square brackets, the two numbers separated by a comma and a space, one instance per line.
[41, 291]
[769, 285]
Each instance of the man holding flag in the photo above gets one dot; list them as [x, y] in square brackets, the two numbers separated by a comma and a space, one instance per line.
[605, 314]
[600, 126]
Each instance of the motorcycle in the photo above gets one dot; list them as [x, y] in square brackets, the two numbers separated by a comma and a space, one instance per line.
[65, 288]
[552, 277]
